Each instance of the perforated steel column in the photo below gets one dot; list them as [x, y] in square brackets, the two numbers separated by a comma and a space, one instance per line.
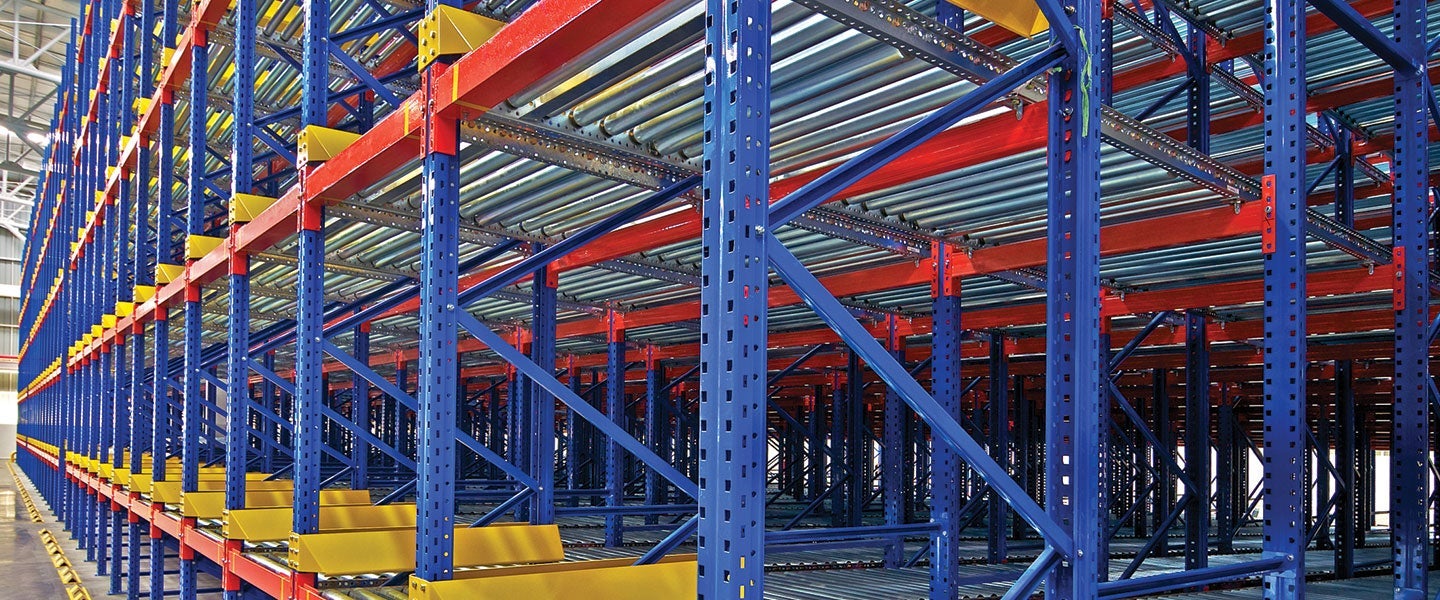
[733, 292]
[310, 393]
[542, 403]
[1410, 479]
[1284, 262]
[439, 277]
[945, 488]
[1075, 416]
[1197, 440]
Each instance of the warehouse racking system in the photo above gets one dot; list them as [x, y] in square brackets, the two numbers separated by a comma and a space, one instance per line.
[795, 299]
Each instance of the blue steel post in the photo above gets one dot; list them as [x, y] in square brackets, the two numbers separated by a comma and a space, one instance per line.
[1197, 440]
[1410, 480]
[542, 403]
[125, 403]
[237, 378]
[1346, 459]
[310, 393]
[1164, 478]
[192, 414]
[892, 450]
[733, 292]
[237, 343]
[1284, 314]
[1225, 470]
[160, 398]
[403, 443]
[614, 410]
[656, 396]
[95, 259]
[360, 413]
[945, 461]
[1197, 366]
[1075, 408]
[999, 443]
[856, 450]
[838, 465]
[162, 432]
[144, 276]
[439, 267]
[270, 400]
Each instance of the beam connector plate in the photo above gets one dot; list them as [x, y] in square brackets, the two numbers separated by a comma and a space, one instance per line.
[450, 31]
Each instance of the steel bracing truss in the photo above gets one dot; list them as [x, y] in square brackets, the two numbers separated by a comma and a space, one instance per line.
[732, 280]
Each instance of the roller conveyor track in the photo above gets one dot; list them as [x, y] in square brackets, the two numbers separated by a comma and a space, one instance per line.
[854, 574]
[1380, 586]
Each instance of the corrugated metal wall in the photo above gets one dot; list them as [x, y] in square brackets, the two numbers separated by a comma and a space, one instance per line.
[11, 248]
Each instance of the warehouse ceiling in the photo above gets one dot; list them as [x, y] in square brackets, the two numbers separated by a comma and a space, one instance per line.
[33, 37]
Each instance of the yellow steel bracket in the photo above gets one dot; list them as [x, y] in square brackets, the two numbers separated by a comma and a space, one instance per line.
[197, 246]
[140, 481]
[141, 105]
[451, 30]
[108, 321]
[211, 504]
[165, 492]
[166, 273]
[245, 207]
[273, 524]
[662, 581]
[211, 480]
[322, 143]
[124, 309]
[96, 332]
[1023, 17]
[143, 293]
[393, 550]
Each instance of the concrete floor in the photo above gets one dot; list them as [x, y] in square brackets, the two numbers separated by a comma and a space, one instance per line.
[29, 574]
[27, 568]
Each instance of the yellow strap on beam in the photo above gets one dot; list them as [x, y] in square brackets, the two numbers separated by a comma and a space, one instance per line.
[124, 309]
[108, 321]
[143, 293]
[451, 30]
[197, 246]
[245, 207]
[166, 273]
[662, 581]
[318, 143]
[1022, 17]
[96, 332]
[273, 524]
